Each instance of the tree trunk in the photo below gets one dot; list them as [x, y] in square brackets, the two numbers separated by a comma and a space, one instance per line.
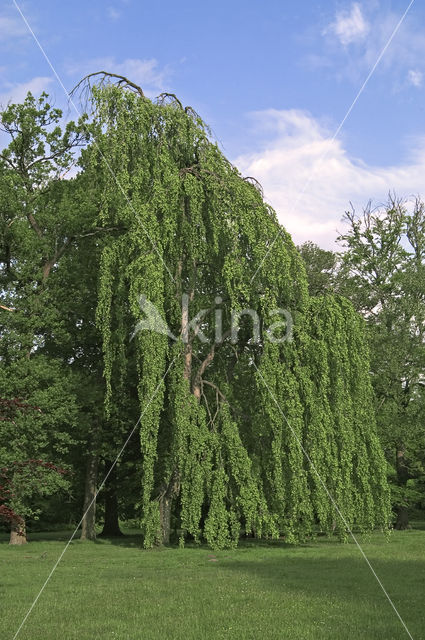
[165, 515]
[18, 532]
[111, 527]
[165, 506]
[88, 530]
[402, 521]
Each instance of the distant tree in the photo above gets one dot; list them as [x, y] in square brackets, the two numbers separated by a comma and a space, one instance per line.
[383, 273]
[321, 268]
[21, 481]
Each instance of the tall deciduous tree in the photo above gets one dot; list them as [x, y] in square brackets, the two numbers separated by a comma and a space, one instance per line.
[40, 222]
[383, 273]
[217, 453]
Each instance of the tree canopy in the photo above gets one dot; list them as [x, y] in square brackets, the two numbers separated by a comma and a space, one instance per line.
[194, 229]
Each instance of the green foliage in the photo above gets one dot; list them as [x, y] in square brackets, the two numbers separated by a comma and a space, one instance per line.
[190, 224]
[39, 221]
[29, 480]
[321, 268]
[225, 425]
[382, 272]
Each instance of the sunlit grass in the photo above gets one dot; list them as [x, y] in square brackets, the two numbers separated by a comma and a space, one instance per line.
[115, 590]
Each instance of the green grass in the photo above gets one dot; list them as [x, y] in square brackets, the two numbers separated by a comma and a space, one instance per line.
[114, 590]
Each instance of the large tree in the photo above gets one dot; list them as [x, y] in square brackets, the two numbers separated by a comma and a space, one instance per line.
[49, 254]
[226, 416]
[45, 220]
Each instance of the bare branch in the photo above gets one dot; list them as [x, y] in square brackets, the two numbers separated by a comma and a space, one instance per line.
[205, 363]
[163, 96]
[122, 81]
[254, 182]
[214, 386]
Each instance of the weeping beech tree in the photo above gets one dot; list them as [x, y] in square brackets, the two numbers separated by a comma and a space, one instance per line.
[185, 276]
[340, 426]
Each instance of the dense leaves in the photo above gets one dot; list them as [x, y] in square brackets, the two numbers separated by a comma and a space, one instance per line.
[217, 452]
[382, 271]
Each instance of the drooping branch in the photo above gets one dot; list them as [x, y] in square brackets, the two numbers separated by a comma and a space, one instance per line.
[255, 183]
[163, 96]
[214, 386]
[122, 81]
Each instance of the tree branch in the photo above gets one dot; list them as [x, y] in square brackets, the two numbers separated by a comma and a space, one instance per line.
[33, 223]
[122, 80]
[204, 364]
[214, 386]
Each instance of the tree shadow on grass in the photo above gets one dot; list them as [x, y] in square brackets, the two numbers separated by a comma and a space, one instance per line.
[343, 581]
[129, 539]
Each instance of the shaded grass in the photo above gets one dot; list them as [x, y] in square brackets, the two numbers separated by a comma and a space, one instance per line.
[112, 589]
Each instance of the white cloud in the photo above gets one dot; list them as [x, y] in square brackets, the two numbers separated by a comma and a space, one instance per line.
[403, 60]
[310, 179]
[349, 26]
[407, 49]
[415, 77]
[11, 27]
[16, 92]
[145, 73]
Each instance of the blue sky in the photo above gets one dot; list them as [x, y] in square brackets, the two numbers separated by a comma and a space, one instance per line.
[273, 79]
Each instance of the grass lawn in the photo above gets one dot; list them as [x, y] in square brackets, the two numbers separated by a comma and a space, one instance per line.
[114, 590]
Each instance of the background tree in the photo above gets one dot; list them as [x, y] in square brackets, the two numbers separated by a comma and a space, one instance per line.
[41, 221]
[22, 481]
[49, 251]
[321, 268]
[382, 272]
